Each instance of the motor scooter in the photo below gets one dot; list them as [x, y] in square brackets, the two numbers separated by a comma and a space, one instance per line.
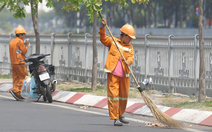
[43, 74]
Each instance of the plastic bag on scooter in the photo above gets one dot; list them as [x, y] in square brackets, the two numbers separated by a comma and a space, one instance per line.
[28, 90]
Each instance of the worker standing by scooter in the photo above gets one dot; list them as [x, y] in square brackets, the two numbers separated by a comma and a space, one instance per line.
[19, 70]
[117, 71]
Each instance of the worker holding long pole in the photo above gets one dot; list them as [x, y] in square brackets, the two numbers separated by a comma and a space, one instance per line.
[117, 87]
[117, 70]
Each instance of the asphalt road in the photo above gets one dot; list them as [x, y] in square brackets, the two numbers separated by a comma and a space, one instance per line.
[30, 116]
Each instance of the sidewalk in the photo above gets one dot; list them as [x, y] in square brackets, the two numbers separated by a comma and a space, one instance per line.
[133, 107]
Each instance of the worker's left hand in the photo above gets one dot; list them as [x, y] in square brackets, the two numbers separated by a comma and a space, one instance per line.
[104, 23]
[27, 43]
[127, 62]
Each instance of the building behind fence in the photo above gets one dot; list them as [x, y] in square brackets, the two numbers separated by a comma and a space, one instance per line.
[172, 62]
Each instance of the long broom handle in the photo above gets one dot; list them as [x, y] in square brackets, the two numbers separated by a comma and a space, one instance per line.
[120, 52]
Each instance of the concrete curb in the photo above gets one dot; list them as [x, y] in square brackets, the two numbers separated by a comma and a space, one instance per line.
[185, 115]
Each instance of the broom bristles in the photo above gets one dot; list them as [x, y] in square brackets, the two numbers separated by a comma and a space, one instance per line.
[159, 115]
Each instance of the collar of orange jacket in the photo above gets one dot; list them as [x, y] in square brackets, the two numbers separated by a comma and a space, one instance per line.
[119, 40]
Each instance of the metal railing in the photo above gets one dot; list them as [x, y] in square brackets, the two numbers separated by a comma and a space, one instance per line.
[172, 62]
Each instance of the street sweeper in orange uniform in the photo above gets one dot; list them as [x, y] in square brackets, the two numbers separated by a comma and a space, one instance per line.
[118, 71]
[19, 70]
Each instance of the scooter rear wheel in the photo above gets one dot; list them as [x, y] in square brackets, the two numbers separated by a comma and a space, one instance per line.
[48, 94]
[44, 99]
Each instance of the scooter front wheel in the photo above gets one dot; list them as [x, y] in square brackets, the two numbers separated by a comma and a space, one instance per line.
[48, 94]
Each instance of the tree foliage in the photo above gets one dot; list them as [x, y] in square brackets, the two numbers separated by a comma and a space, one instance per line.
[157, 13]
[93, 5]
[18, 6]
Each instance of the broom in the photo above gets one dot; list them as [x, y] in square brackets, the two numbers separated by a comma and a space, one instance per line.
[157, 113]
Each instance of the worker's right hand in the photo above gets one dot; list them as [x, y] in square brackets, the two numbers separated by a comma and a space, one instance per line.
[104, 22]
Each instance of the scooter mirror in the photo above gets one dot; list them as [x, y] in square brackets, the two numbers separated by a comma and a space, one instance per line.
[18, 51]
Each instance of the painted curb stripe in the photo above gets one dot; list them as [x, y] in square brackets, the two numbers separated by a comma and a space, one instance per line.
[172, 111]
[6, 87]
[101, 103]
[143, 111]
[192, 116]
[54, 93]
[75, 98]
[89, 100]
[63, 96]
[106, 107]
[207, 121]
[8, 90]
[163, 108]
[134, 107]
[199, 116]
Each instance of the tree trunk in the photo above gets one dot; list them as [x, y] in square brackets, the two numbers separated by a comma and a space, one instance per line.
[35, 25]
[148, 16]
[155, 16]
[145, 21]
[164, 15]
[176, 16]
[94, 69]
[2, 7]
[202, 93]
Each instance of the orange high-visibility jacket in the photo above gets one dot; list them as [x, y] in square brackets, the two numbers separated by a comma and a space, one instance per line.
[15, 44]
[114, 55]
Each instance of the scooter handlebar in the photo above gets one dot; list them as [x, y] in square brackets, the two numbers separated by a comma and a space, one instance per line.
[39, 57]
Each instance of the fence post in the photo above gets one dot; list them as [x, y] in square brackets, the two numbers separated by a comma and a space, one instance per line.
[9, 57]
[170, 65]
[52, 46]
[69, 56]
[146, 54]
[195, 64]
[86, 49]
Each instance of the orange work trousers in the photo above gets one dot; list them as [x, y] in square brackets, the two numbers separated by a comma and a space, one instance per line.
[19, 72]
[117, 92]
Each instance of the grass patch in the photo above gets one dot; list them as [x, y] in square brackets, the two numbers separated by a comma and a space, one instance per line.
[207, 105]
[100, 91]
[81, 90]
[134, 93]
[5, 76]
[149, 92]
[170, 100]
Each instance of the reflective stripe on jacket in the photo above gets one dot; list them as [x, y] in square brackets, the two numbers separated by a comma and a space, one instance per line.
[15, 44]
[114, 55]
